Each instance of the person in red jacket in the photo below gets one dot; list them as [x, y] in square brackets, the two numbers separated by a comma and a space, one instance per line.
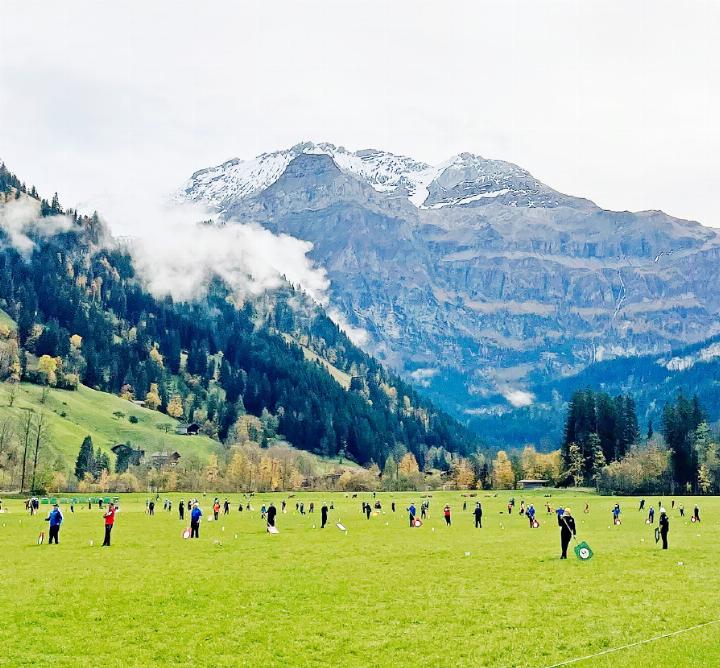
[446, 512]
[109, 521]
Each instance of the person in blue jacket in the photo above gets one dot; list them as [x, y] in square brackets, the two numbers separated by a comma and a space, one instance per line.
[412, 512]
[530, 513]
[55, 518]
[195, 516]
[616, 513]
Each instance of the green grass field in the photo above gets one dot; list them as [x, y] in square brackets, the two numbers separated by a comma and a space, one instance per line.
[73, 415]
[380, 594]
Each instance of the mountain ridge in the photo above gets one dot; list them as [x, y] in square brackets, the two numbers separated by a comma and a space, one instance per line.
[494, 277]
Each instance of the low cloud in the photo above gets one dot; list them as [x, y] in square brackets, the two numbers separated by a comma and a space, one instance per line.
[20, 219]
[357, 335]
[519, 398]
[180, 259]
[177, 256]
[423, 376]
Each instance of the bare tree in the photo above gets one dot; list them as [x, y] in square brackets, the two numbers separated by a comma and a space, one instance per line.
[40, 434]
[7, 446]
[12, 391]
[27, 434]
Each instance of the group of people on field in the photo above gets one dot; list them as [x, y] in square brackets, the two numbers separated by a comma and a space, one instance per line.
[55, 519]
[565, 519]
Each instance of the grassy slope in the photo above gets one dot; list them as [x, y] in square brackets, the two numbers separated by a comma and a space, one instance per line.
[340, 377]
[382, 594]
[89, 412]
[5, 319]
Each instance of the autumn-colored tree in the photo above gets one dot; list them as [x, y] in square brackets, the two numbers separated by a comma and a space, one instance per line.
[59, 482]
[704, 480]
[408, 464]
[502, 472]
[76, 341]
[212, 472]
[47, 366]
[575, 464]
[156, 356]
[175, 406]
[127, 392]
[463, 474]
[296, 480]
[152, 398]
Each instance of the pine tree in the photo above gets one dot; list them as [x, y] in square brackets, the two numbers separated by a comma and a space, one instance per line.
[85, 462]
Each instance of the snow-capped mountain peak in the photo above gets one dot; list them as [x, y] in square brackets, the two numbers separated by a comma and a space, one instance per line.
[462, 179]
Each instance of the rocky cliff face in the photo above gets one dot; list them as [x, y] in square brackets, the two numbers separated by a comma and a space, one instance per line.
[473, 278]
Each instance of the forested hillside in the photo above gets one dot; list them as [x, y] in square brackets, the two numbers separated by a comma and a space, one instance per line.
[83, 317]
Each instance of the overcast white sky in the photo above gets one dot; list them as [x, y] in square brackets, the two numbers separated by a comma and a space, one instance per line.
[616, 101]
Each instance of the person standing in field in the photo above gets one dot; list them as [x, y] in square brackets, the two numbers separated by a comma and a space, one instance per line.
[616, 513]
[109, 517]
[181, 510]
[651, 515]
[478, 515]
[323, 515]
[282, 505]
[664, 528]
[392, 506]
[216, 509]
[226, 507]
[368, 510]
[510, 507]
[567, 530]
[55, 518]
[151, 508]
[412, 511]
[642, 505]
[531, 514]
[587, 508]
[682, 510]
[271, 512]
[195, 516]
[696, 513]
[464, 506]
[446, 513]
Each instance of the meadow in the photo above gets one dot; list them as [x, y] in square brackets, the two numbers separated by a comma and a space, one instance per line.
[377, 594]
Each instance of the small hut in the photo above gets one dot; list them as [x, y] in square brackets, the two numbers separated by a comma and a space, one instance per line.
[532, 483]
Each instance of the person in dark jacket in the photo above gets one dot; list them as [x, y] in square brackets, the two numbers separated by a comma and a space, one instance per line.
[696, 513]
[226, 507]
[55, 518]
[151, 508]
[478, 515]
[567, 530]
[368, 510]
[271, 512]
[195, 516]
[323, 515]
[664, 527]
[181, 510]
